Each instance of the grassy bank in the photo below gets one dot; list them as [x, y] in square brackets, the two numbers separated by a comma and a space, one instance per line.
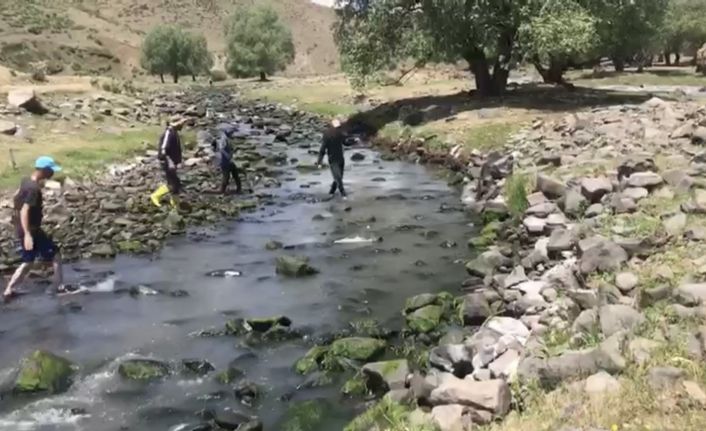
[81, 152]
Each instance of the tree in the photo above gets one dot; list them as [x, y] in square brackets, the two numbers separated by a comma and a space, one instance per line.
[166, 50]
[257, 43]
[200, 60]
[563, 32]
[683, 29]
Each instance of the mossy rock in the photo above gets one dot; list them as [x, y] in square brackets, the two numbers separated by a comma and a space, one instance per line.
[44, 372]
[487, 237]
[381, 377]
[425, 319]
[305, 415]
[357, 348]
[355, 386]
[294, 266]
[418, 301]
[143, 369]
[130, 246]
[310, 361]
[264, 324]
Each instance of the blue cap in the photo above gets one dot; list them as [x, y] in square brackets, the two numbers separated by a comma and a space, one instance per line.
[46, 162]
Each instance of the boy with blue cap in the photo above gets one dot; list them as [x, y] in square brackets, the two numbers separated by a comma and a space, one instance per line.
[34, 243]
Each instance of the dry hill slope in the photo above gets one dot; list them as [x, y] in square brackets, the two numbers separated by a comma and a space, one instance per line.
[104, 36]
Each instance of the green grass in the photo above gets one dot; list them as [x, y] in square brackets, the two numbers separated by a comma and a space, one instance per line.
[662, 76]
[80, 154]
[387, 416]
[490, 136]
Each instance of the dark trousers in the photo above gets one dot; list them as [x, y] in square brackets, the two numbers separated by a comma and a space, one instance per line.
[229, 170]
[337, 173]
[173, 181]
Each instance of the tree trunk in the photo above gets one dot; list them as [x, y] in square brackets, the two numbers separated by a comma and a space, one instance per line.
[263, 76]
[667, 58]
[552, 75]
[619, 64]
[176, 78]
[481, 74]
[677, 59]
[193, 78]
[161, 76]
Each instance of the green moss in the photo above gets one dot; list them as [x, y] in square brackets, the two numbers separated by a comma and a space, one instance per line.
[44, 372]
[387, 415]
[143, 369]
[310, 361]
[425, 319]
[305, 415]
[487, 236]
[355, 386]
[357, 348]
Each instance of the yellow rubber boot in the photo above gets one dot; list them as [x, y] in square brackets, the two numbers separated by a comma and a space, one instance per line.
[174, 202]
[158, 194]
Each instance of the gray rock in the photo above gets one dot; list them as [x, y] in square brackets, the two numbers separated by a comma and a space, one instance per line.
[482, 375]
[675, 224]
[655, 294]
[475, 309]
[534, 225]
[695, 233]
[551, 187]
[486, 264]
[585, 298]
[294, 266]
[699, 136]
[508, 326]
[542, 210]
[452, 358]
[452, 417]
[601, 383]
[561, 240]
[505, 366]
[516, 277]
[594, 189]
[622, 204]
[492, 396]
[691, 294]
[574, 203]
[617, 318]
[7, 128]
[635, 193]
[422, 386]
[678, 179]
[586, 322]
[536, 199]
[647, 180]
[27, 99]
[664, 377]
[386, 375]
[603, 257]
[626, 281]
[695, 392]
[400, 396]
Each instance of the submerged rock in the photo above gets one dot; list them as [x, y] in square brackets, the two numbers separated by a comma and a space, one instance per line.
[357, 348]
[143, 369]
[293, 266]
[44, 372]
[311, 360]
[197, 367]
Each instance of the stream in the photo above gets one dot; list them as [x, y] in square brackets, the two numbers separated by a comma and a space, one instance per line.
[415, 212]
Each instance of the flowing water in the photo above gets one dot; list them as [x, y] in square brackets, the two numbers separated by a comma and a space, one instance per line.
[400, 202]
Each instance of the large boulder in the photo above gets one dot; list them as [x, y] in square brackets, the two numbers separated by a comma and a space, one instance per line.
[26, 99]
[143, 369]
[552, 188]
[648, 180]
[387, 375]
[618, 317]
[475, 309]
[491, 396]
[691, 294]
[44, 372]
[294, 266]
[452, 358]
[603, 256]
[358, 348]
[452, 417]
[487, 263]
[594, 189]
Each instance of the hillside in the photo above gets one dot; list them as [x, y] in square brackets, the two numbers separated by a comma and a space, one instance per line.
[104, 36]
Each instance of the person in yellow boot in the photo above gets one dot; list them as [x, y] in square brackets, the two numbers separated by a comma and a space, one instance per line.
[170, 158]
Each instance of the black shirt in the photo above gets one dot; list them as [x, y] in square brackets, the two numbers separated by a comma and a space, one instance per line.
[332, 144]
[31, 194]
[170, 146]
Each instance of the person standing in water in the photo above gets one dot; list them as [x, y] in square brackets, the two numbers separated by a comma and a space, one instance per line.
[170, 157]
[332, 144]
[224, 157]
[34, 243]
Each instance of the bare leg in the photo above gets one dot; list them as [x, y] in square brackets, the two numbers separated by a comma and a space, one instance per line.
[58, 278]
[17, 278]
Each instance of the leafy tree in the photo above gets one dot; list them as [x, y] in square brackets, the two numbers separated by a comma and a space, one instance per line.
[200, 60]
[257, 43]
[166, 50]
[629, 29]
[684, 29]
[563, 32]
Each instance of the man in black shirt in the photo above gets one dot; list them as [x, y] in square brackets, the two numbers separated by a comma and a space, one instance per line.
[332, 144]
[170, 158]
[34, 243]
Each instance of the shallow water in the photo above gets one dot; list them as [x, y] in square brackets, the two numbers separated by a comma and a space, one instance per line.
[358, 280]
